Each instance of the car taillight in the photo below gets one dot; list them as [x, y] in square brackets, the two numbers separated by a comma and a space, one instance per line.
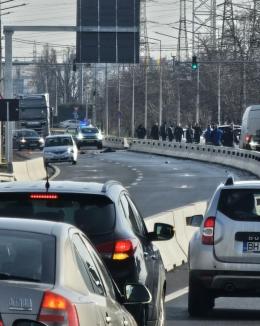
[1, 323]
[248, 138]
[208, 231]
[118, 250]
[57, 311]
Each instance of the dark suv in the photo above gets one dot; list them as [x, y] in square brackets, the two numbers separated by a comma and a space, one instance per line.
[108, 216]
[27, 139]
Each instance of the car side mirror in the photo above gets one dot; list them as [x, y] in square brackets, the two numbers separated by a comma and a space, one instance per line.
[161, 232]
[194, 220]
[136, 293]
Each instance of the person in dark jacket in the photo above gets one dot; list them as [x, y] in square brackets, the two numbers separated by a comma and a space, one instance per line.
[189, 135]
[140, 131]
[229, 138]
[207, 135]
[155, 132]
[178, 133]
[197, 133]
[170, 133]
[163, 131]
[216, 136]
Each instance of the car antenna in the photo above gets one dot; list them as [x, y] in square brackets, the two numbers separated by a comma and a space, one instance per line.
[47, 184]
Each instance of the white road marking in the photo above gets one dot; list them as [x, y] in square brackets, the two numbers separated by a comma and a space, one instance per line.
[176, 294]
[134, 184]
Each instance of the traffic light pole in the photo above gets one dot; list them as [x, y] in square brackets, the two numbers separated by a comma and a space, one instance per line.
[198, 96]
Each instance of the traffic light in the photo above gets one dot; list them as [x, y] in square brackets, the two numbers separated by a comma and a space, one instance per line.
[194, 64]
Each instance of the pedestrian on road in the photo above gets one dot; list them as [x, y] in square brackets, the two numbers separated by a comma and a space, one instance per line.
[189, 134]
[163, 131]
[140, 131]
[170, 133]
[207, 135]
[216, 136]
[197, 133]
[178, 133]
[229, 138]
[155, 131]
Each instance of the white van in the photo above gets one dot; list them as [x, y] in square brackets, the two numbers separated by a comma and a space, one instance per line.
[250, 129]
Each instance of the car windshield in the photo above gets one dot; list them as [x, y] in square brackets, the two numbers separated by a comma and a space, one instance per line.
[89, 130]
[27, 256]
[58, 141]
[240, 204]
[27, 133]
[93, 214]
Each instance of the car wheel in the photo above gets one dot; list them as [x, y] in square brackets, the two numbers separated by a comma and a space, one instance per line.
[199, 299]
[74, 162]
[99, 146]
[161, 316]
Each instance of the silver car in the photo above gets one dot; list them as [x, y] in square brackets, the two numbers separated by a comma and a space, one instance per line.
[224, 254]
[60, 148]
[50, 273]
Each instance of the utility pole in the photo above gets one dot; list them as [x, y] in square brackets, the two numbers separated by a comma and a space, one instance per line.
[133, 105]
[106, 86]
[119, 103]
[219, 94]
[198, 96]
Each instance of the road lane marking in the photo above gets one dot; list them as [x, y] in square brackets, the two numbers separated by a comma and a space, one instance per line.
[176, 294]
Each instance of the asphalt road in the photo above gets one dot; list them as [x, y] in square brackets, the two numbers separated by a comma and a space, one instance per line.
[157, 184]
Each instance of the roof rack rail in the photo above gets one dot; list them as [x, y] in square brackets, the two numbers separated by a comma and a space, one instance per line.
[108, 184]
[229, 181]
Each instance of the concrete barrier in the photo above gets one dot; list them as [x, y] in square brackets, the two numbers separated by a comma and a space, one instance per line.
[29, 170]
[237, 158]
[175, 251]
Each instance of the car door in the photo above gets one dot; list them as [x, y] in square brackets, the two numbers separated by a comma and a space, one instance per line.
[151, 255]
[109, 309]
[121, 314]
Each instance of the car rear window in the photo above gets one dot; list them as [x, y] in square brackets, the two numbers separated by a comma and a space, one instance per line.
[27, 256]
[93, 214]
[240, 204]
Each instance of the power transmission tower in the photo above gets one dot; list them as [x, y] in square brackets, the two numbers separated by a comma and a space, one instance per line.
[34, 52]
[203, 23]
[228, 44]
[144, 45]
[182, 46]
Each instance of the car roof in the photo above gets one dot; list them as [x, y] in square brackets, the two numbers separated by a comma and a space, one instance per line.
[59, 136]
[248, 184]
[94, 188]
[35, 226]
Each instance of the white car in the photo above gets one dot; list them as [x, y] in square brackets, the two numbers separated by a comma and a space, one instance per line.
[60, 148]
[73, 123]
[224, 254]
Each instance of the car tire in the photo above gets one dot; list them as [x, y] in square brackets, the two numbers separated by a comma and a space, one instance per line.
[199, 299]
[99, 146]
[74, 162]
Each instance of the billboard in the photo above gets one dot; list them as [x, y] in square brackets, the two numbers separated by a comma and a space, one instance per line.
[108, 31]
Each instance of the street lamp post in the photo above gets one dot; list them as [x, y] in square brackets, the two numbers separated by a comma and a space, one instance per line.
[160, 73]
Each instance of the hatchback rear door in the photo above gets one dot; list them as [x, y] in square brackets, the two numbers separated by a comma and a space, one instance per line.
[237, 226]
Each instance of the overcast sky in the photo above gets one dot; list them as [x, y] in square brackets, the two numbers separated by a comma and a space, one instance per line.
[63, 12]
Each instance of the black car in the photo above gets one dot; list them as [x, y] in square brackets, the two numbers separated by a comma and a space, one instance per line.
[108, 216]
[27, 139]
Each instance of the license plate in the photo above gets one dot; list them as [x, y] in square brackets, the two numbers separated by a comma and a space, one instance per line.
[251, 246]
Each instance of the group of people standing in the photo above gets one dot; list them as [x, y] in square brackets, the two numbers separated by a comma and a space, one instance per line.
[193, 133]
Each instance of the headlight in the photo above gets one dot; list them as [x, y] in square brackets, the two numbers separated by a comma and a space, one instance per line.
[100, 137]
[70, 150]
[41, 140]
[80, 136]
[22, 140]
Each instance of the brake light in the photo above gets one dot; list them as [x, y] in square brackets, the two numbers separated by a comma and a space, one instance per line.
[43, 196]
[248, 138]
[118, 250]
[57, 311]
[1, 323]
[208, 231]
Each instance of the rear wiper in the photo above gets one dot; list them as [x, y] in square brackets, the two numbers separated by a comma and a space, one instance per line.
[7, 276]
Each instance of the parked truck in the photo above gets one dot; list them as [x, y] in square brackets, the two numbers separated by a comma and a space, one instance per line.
[35, 113]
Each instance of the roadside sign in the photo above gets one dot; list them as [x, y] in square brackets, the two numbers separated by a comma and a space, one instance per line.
[9, 110]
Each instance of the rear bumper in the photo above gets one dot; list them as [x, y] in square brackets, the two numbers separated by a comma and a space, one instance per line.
[228, 283]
